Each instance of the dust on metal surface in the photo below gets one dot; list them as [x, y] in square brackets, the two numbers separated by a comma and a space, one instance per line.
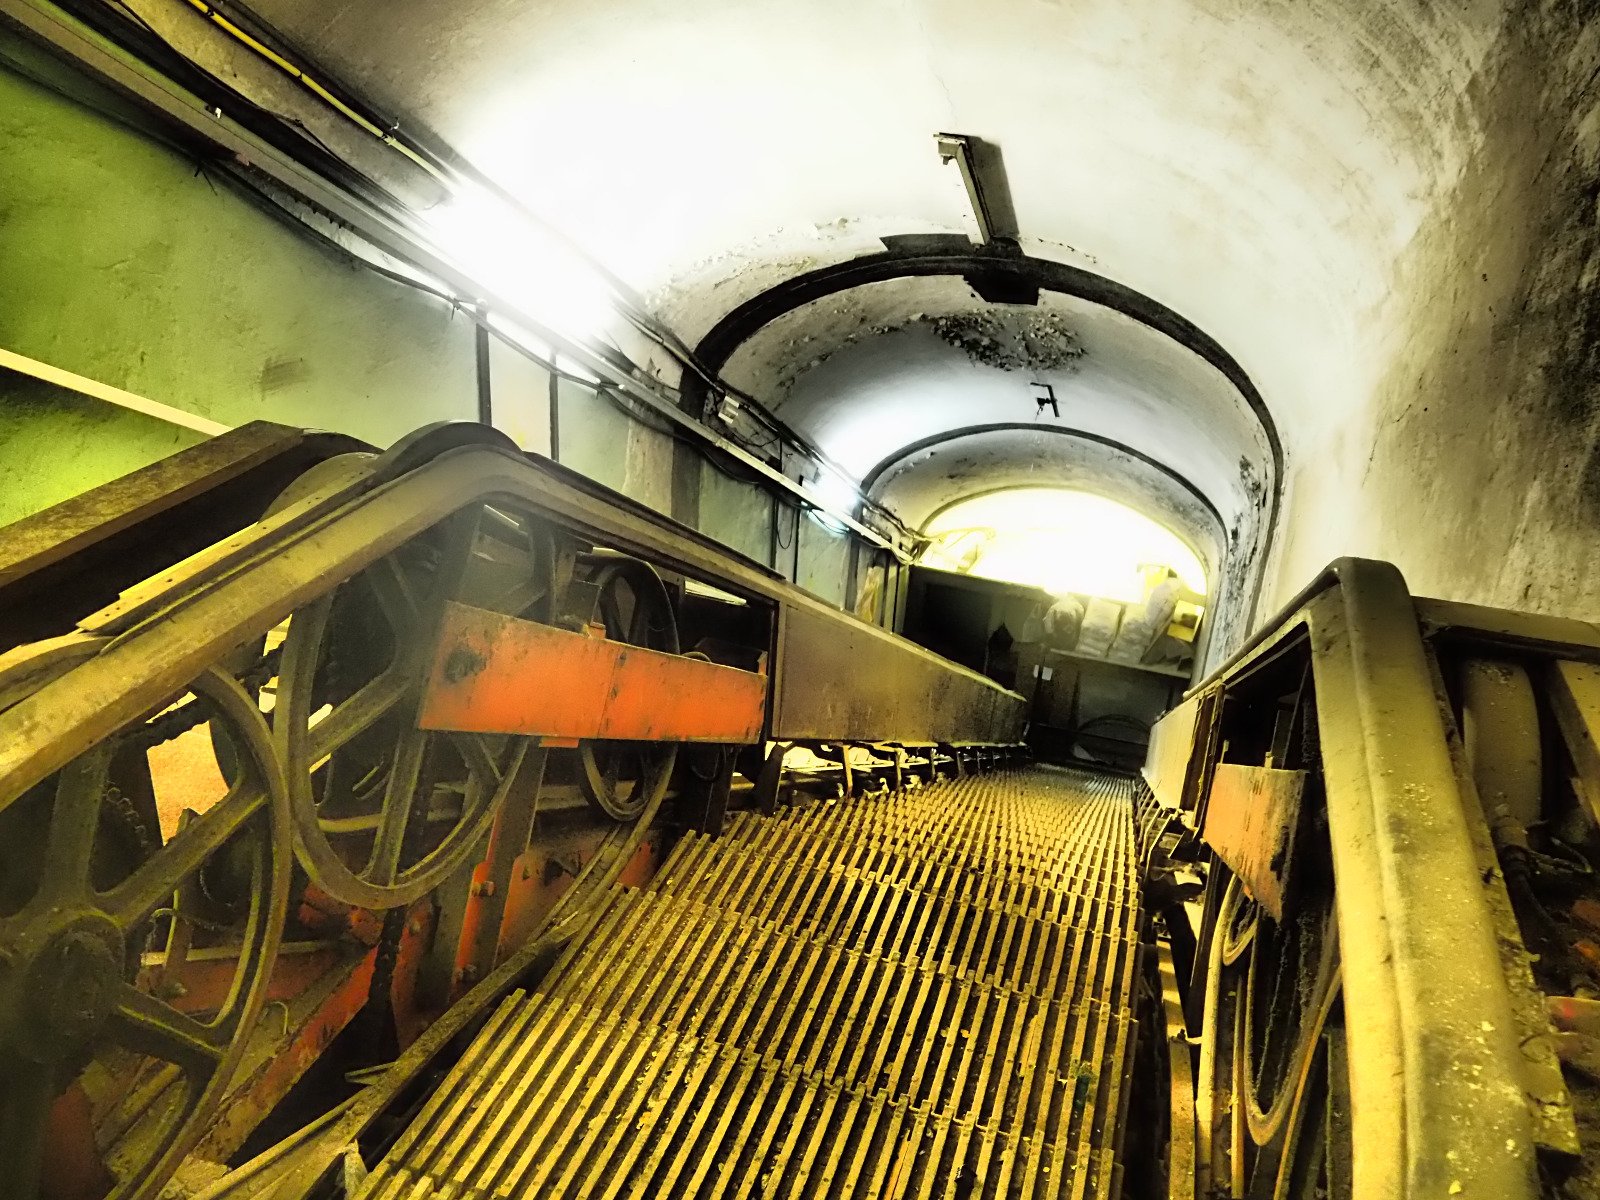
[1172, 746]
[888, 996]
[1250, 823]
[845, 680]
[497, 674]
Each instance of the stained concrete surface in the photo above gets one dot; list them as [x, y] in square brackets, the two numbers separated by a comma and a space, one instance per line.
[860, 396]
[127, 264]
[1320, 185]
[1383, 209]
[1475, 461]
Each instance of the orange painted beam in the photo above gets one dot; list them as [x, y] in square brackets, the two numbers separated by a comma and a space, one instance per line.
[497, 674]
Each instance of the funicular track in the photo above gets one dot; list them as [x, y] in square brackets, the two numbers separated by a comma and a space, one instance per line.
[441, 698]
[923, 994]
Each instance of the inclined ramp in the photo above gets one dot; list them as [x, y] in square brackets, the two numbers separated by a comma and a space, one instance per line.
[915, 995]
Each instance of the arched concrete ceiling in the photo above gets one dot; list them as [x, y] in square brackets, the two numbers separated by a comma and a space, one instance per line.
[925, 479]
[1260, 168]
[1256, 167]
[887, 364]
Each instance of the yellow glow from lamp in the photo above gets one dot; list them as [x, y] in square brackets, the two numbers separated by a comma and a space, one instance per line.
[1059, 540]
[512, 258]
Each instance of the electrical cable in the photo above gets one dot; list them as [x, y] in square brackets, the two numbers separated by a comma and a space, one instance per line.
[262, 199]
[778, 537]
[444, 168]
[128, 30]
[123, 119]
[292, 137]
[217, 18]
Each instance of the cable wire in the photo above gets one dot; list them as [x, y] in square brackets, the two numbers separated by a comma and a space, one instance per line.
[449, 169]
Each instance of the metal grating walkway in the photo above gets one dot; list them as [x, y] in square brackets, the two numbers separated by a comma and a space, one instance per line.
[912, 996]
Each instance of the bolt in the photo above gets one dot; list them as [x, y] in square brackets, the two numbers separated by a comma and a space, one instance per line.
[483, 888]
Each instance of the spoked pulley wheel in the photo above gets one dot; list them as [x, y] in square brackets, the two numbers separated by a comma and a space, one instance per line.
[1316, 1160]
[94, 1019]
[384, 810]
[622, 779]
[1274, 1080]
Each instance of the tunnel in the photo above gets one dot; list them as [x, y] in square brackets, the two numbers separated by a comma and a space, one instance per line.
[799, 599]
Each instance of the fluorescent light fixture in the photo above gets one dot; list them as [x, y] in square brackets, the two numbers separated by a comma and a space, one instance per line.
[838, 492]
[528, 267]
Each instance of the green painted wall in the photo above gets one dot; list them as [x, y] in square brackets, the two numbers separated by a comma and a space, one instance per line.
[824, 561]
[593, 435]
[118, 261]
[736, 514]
[55, 444]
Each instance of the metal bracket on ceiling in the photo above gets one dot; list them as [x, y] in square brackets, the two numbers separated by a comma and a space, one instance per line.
[984, 174]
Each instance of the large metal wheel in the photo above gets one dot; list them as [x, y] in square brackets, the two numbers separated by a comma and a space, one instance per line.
[383, 810]
[1316, 1161]
[1274, 1084]
[81, 998]
[622, 779]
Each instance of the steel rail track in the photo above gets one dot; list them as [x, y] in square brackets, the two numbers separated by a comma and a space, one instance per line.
[927, 994]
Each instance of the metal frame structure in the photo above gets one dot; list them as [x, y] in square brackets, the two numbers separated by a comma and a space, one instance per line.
[450, 560]
[1453, 1082]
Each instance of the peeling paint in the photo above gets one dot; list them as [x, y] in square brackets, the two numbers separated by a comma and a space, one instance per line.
[1004, 338]
[1009, 340]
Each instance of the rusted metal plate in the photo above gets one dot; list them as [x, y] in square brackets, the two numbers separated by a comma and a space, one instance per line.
[1575, 699]
[1250, 823]
[497, 674]
[1166, 763]
[840, 679]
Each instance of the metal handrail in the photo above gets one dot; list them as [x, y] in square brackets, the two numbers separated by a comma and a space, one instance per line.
[1435, 1065]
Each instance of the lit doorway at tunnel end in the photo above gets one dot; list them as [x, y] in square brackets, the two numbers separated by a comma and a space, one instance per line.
[1116, 584]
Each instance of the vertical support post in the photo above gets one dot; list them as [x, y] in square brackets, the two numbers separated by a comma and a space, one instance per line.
[485, 387]
[704, 804]
[555, 417]
[491, 879]
[794, 542]
[686, 467]
[770, 781]
[774, 542]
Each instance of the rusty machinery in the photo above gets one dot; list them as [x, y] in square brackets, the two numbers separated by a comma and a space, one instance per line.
[347, 734]
[1397, 800]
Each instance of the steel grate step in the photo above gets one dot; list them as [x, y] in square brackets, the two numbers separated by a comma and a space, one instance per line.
[905, 996]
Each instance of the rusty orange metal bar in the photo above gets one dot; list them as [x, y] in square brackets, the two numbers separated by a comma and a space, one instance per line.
[497, 674]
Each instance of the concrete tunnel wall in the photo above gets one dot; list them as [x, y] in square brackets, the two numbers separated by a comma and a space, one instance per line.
[1473, 459]
[1386, 212]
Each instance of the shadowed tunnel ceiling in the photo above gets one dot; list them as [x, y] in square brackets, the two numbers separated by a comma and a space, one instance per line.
[926, 394]
[1270, 180]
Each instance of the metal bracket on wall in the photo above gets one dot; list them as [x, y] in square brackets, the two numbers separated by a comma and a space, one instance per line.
[76, 43]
